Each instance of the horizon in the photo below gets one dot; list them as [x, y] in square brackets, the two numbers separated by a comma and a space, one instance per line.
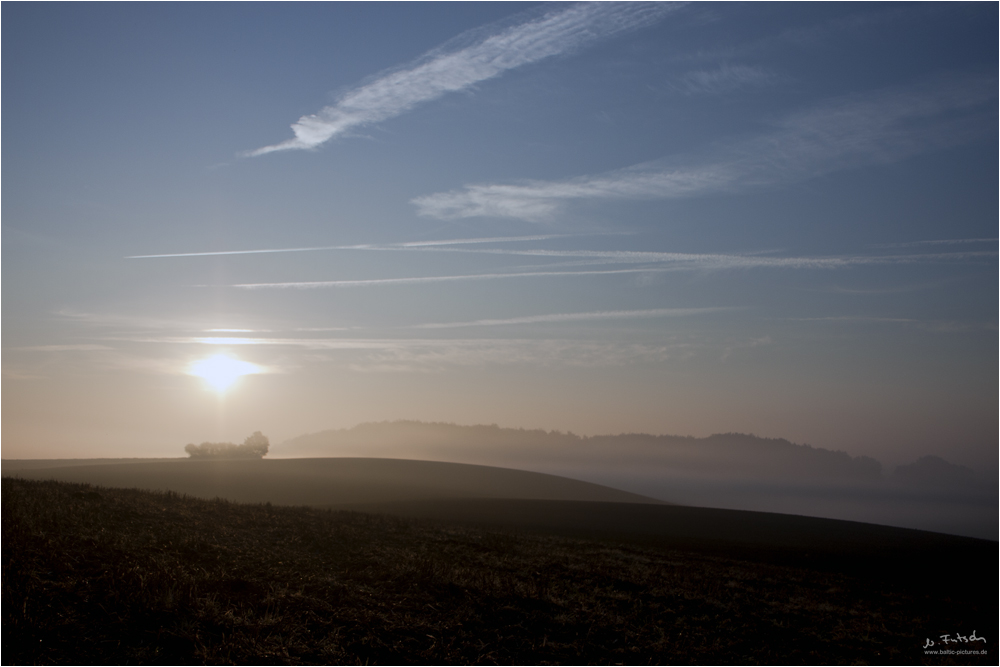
[596, 218]
[724, 471]
[887, 469]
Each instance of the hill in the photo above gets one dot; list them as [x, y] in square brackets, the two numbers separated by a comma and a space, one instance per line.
[115, 576]
[329, 481]
[934, 472]
[731, 471]
[12, 466]
[730, 456]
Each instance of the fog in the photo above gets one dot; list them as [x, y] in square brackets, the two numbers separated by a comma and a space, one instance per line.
[731, 471]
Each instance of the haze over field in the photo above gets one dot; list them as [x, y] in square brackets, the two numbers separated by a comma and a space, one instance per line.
[666, 218]
[731, 470]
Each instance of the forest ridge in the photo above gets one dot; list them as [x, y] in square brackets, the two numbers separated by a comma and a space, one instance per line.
[733, 455]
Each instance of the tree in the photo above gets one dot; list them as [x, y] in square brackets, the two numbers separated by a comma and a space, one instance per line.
[256, 444]
[254, 447]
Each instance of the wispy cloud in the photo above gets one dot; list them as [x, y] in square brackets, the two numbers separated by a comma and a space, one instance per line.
[122, 321]
[233, 330]
[306, 343]
[437, 354]
[132, 322]
[576, 317]
[816, 35]
[334, 343]
[212, 253]
[879, 127]
[426, 279]
[491, 239]
[734, 261]
[384, 246]
[78, 347]
[744, 345]
[723, 79]
[470, 59]
[655, 261]
[713, 260]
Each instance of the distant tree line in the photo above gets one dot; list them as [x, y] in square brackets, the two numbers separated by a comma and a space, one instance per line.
[725, 455]
[254, 447]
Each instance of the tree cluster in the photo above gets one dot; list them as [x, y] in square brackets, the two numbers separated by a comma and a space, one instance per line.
[254, 447]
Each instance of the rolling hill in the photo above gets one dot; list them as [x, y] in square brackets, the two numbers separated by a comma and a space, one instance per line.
[324, 482]
[731, 456]
[727, 471]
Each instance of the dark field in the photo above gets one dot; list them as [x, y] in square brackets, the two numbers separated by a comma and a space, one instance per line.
[97, 575]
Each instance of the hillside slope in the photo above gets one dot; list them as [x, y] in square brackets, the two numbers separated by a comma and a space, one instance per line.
[730, 471]
[332, 481]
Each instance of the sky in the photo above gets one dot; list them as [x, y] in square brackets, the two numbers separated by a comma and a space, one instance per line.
[687, 219]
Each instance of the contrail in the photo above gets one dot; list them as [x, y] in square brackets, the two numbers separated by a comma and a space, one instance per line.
[879, 127]
[494, 239]
[387, 246]
[679, 262]
[467, 60]
[575, 317]
[721, 261]
[242, 252]
[431, 279]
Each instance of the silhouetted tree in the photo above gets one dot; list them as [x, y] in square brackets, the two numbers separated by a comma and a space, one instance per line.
[254, 447]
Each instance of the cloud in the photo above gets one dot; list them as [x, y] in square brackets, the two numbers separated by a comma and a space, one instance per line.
[745, 345]
[723, 79]
[121, 321]
[470, 59]
[79, 347]
[589, 257]
[386, 246]
[674, 262]
[576, 317]
[424, 279]
[130, 322]
[816, 35]
[234, 330]
[306, 343]
[213, 253]
[734, 261]
[432, 354]
[437, 355]
[879, 127]
[492, 239]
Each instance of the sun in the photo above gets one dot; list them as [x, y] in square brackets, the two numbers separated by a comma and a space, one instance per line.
[221, 371]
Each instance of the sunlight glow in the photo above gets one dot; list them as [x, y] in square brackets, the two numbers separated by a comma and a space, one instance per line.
[221, 371]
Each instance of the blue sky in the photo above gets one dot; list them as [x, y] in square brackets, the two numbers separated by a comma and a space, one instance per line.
[684, 219]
